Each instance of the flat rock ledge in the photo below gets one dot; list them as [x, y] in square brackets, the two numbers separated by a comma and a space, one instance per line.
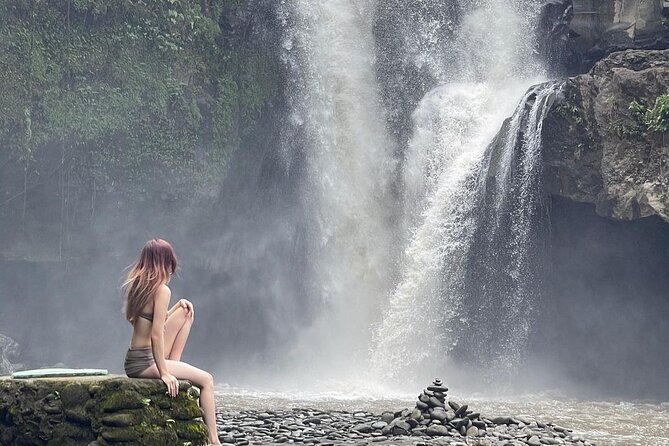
[98, 411]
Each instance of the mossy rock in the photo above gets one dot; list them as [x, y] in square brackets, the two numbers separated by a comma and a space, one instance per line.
[123, 399]
[190, 430]
[163, 402]
[144, 434]
[120, 434]
[186, 411]
[111, 411]
[74, 395]
[68, 433]
[8, 434]
[77, 415]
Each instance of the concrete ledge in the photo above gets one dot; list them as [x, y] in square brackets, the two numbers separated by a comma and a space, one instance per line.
[98, 411]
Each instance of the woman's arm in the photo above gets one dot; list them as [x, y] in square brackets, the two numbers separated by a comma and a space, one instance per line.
[173, 309]
[160, 303]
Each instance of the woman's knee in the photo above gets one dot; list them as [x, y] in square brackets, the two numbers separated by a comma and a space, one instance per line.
[205, 380]
[189, 317]
[180, 317]
[208, 380]
[183, 370]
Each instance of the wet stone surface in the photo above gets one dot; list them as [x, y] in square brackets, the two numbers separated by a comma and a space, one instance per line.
[437, 421]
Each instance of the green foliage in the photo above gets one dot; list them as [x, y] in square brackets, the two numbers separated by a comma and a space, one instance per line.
[654, 118]
[571, 112]
[135, 94]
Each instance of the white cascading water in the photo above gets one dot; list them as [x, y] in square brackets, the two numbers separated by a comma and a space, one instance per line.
[453, 125]
[503, 279]
[397, 318]
[8, 350]
[329, 49]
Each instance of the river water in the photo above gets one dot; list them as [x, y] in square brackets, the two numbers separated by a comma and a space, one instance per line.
[606, 423]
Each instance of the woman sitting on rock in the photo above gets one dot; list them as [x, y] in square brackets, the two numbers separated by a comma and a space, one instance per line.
[159, 335]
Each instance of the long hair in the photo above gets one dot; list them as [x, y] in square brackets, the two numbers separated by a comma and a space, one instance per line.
[155, 264]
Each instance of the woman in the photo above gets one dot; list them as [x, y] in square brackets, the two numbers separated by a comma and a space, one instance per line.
[159, 335]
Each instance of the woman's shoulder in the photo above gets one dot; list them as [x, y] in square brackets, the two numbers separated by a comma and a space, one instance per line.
[162, 296]
[164, 290]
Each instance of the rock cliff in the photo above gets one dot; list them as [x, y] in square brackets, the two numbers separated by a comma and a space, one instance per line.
[600, 142]
[575, 34]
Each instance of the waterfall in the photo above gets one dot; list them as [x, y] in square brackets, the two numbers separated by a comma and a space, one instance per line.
[472, 267]
[9, 349]
[429, 313]
[504, 266]
[337, 115]
[399, 233]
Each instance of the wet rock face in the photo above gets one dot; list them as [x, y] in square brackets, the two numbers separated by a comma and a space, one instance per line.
[574, 34]
[102, 411]
[598, 150]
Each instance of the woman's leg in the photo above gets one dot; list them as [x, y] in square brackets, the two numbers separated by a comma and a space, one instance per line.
[177, 329]
[200, 378]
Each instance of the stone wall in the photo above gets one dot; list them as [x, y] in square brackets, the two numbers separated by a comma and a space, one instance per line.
[108, 410]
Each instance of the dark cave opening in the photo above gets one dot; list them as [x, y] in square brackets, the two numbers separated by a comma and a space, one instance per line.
[604, 322]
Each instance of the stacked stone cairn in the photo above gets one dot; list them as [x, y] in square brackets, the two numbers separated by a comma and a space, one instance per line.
[434, 416]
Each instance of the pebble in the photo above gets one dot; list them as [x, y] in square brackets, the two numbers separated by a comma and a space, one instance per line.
[379, 424]
[434, 402]
[434, 420]
[437, 430]
[363, 428]
[534, 441]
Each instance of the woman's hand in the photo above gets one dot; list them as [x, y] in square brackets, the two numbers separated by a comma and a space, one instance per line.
[188, 307]
[172, 384]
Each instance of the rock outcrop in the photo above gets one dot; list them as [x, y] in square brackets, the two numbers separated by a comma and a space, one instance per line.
[575, 34]
[99, 411]
[597, 147]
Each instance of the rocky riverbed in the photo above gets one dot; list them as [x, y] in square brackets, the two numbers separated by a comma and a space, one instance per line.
[433, 420]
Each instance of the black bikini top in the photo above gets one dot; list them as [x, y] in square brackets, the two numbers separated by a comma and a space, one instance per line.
[147, 316]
